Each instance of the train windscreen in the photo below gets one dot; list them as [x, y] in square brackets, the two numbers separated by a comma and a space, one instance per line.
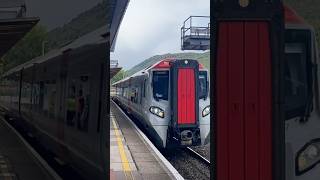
[203, 90]
[160, 84]
[296, 81]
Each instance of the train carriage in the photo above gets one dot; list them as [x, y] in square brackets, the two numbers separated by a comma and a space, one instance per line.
[302, 124]
[56, 99]
[267, 120]
[171, 100]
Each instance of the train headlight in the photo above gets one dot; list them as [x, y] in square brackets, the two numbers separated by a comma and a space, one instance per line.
[157, 111]
[308, 157]
[206, 111]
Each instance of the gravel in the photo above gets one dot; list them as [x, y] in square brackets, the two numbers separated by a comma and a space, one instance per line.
[188, 166]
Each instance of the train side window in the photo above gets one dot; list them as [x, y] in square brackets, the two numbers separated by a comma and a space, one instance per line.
[49, 96]
[203, 83]
[78, 102]
[160, 84]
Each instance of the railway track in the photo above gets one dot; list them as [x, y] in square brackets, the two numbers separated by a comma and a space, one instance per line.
[197, 155]
[189, 163]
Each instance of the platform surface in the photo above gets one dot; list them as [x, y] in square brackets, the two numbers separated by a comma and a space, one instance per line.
[16, 161]
[130, 156]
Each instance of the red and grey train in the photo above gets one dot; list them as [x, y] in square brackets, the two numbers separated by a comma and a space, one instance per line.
[245, 97]
[302, 119]
[171, 100]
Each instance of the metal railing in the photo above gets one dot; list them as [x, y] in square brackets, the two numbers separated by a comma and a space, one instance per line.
[192, 27]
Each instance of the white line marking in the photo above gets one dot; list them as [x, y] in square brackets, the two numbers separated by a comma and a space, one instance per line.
[35, 154]
[172, 170]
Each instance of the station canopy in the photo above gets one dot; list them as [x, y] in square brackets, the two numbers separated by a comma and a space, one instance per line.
[12, 30]
[117, 10]
[13, 23]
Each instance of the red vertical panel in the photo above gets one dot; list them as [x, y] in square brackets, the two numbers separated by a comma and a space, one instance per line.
[265, 115]
[186, 96]
[181, 95]
[235, 90]
[191, 113]
[251, 86]
[222, 128]
[244, 94]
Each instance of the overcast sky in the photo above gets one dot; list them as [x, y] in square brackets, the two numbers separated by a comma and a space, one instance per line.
[54, 13]
[152, 27]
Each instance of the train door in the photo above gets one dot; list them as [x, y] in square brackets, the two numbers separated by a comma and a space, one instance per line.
[130, 96]
[249, 131]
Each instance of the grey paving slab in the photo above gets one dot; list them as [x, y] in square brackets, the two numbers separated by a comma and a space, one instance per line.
[150, 168]
[147, 165]
[143, 157]
[154, 177]
[138, 149]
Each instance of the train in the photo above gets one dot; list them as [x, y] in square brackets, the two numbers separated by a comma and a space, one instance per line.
[267, 116]
[302, 119]
[57, 99]
[171, 100]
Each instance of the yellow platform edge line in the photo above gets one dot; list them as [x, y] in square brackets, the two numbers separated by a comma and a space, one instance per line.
[123, 156]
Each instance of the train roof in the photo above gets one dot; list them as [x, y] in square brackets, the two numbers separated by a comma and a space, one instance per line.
[293, 19]
[94, 38]
[162, 64]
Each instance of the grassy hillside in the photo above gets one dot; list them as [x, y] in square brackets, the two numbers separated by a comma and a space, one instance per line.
[82, 24]
[308, 9]
[31, 45]
[203, 58]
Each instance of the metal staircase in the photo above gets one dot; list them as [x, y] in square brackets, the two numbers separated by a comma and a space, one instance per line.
[195, 33]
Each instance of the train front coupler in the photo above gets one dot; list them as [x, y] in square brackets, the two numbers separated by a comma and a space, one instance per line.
[186, 136]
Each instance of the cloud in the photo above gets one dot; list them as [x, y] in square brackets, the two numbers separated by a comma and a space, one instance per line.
[153, 27]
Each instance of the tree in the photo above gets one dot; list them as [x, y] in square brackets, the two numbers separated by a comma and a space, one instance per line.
[120, 75]
[26, 49]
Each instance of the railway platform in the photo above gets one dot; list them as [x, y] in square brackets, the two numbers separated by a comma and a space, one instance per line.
[132, 155]
[18, 161]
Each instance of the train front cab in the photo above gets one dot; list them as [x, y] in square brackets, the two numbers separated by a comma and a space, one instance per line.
[180, 91]
[302, 110]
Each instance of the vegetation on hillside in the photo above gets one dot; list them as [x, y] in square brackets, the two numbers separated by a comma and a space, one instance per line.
[120, 75]
[31, 45]
[308, 9]
[203, 58]
[84, 23]
[27, 48]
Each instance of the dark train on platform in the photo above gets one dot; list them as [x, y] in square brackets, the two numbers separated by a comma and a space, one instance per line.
[171, 100]
[57, 100]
